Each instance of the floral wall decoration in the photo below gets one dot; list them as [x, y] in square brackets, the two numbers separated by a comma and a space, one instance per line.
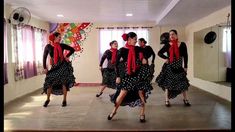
[73, 34]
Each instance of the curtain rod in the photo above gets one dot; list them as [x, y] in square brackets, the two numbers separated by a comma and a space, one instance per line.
[121, 27]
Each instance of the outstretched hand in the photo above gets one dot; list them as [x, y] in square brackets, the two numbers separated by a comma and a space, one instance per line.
[118, 80]
[67, 59]
[45, 71]
[167, 61]
[144, 61]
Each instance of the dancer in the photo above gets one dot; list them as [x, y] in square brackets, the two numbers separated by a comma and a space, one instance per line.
[109, 73]
[172, 78]
[132, 73]
[60, 77]
[148, 51]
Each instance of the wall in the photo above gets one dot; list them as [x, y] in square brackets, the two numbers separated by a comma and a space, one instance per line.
[217, 17]
[209, 56]
[14, 89]
[206, 56]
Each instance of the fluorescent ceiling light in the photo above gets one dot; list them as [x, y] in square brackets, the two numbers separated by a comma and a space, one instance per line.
[60, 15]
[129, 14]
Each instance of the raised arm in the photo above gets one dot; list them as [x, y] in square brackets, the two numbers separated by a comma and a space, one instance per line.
[153, 54]
[66, 47]
[185, 55]
[104, 56]
[45, 53]
[164, 49]
[119, 55]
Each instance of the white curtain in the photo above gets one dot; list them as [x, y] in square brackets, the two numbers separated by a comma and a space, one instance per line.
[108, 35]
[227, 46]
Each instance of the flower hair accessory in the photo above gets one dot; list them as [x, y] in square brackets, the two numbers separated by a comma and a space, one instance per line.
[124, 37]
[52, 38]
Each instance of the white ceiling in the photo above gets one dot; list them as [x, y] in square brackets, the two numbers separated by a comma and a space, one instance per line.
[162, 12]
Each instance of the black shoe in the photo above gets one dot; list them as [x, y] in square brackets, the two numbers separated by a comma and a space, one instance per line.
[64, 103]
[167, 103]
[110, 117]
[186, 102]
[98, 95]
[46, 103]
[142, 118]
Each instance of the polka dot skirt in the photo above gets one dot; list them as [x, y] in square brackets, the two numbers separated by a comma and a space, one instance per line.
[133, 83]
[109, 78]
[173, 77]
[59, 74]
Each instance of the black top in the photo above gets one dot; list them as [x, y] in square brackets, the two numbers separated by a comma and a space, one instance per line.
[123, 53]
[148, 51]
[107, 55]
[182, 51]
[49, 49]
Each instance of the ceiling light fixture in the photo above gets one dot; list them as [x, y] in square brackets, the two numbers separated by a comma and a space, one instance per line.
[60, 15]
[129, 14]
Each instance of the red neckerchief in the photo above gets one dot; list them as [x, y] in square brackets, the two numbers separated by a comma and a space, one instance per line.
[57, 49]
[131, 65]
[114, 54]
[174, 50]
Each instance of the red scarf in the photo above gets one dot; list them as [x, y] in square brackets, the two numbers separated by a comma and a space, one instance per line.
[114, 54]
[143, 46]
[141, 56]
[174, 50]
[57, 49]
[131, 65]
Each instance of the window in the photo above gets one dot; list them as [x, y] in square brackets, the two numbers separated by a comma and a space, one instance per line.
[227, 46]
[226, 40]
[107, 35]
[28, 43]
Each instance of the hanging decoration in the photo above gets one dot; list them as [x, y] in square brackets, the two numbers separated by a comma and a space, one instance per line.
[73, 34]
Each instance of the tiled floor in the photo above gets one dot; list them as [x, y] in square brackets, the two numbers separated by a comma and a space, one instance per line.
[87, 112]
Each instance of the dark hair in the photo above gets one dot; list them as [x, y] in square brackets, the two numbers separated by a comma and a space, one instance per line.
[143, 40]
[56, 34]
[164, 38]
[173, 30]
[129, 35]
[111, 43]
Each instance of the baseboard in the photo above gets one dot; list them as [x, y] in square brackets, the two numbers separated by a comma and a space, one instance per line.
[88, 84]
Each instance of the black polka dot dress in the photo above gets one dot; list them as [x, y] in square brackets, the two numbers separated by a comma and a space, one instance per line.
[133, 83]
[108, 73]
[173, 76]
[148, 52]
[109, 77]
[60, 73]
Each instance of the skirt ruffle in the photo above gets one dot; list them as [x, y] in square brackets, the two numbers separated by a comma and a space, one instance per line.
[173, 77]
[59, 75]
[133, 84]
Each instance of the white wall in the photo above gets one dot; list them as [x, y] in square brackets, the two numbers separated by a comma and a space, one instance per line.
[206, 56]
[15, 89]
[208, 21]
[209, 56]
